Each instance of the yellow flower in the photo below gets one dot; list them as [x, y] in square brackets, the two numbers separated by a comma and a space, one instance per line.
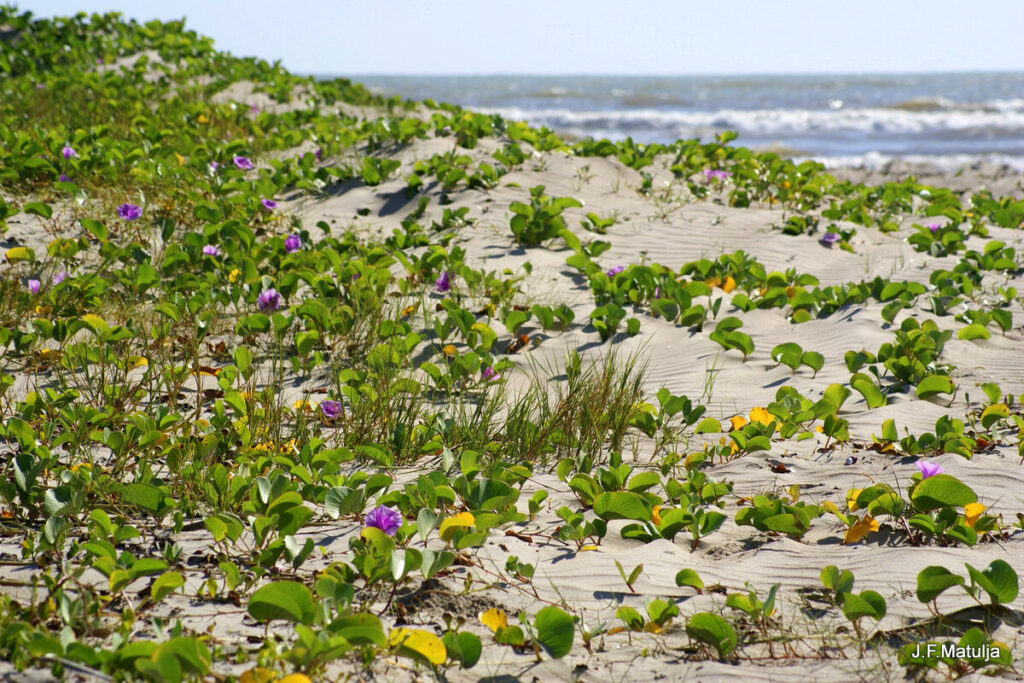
[728, 285]
[656, 515]
[851, 498]
[737, 421]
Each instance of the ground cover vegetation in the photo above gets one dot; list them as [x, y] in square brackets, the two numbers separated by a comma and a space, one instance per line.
[240, 443]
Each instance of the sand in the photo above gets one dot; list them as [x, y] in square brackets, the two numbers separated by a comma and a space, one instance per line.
[671, 228]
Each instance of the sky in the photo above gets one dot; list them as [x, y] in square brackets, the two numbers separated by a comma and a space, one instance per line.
[661, 37]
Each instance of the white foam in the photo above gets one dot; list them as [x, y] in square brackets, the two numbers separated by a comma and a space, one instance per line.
[944, 163]
[1009, 119]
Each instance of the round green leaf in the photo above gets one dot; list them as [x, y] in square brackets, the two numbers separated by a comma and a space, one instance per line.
[555, 631]
[287, 600]
[941, 490]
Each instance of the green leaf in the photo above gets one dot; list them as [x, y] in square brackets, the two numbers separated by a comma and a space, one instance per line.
[287, 600]
[973, 331]
[866, 604]
[167, 583]
[712, 630]
[38, 209]
[787, 354]
[935, 384]
[867, 388]
[941, 490]
[622, 505]
[464, 647]
[708, 425]
[144, 496]
[689, 577]
[934, 580]
[998, 579]
[555, 631]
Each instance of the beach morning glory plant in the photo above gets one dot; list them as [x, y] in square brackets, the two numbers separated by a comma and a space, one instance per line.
[830, 238]
[69, 152]
[211, 250]
[384, 518]
[268, 300]
[268, 204]
[129, 212]
[331, 409]
[33, 286]
[443, 283]
[929, 469]
[292, 243]
[243, 163]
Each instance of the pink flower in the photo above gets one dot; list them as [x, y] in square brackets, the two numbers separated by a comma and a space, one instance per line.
[211, 250]
[214, 166]
[69, 152]
[929, 469]
[268, 300]
[33, 286]
[59, 277]
[129, 212]
[443, 283]
[64, 179]
[830, 238]
[715, 174]
[934, 227]
[615, 270]
[292, 243]
[488, 373]
[243, 163]
[331, 409]
[384, 518]
[268, 204]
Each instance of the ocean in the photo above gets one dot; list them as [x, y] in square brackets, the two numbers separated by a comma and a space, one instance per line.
[948, 120]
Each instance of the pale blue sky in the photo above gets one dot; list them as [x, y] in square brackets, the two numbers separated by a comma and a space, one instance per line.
[599, 36]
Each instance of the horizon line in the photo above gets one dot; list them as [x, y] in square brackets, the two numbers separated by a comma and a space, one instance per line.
[569, 74]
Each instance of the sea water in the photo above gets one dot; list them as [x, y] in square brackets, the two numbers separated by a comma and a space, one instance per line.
[948, 120]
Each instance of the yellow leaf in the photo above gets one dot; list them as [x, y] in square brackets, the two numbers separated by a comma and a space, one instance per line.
[494, 619]
[656, 515]
[138, 361]
[651, 627]
[408, 310]
[713, 282]
[831, 507]
[790, 291]
[819, 428]
[449, 525]
[202, 118]
[851, 498]
[295, 678]
[15, 254]
[257, 675]
[43, 310]
[971, 513]
[49, 354]
[448, 350]
[233, 275]
[729, 284]
[737, 421]
[95, 322]
[860, 529]
[181, 159]
[761, 415]
[419, 644]
[588, 548]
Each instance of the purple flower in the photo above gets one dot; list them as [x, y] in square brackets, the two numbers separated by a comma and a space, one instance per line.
[214, 166]
[488, 373]
[253, 109]
[830, 238]
[68, 152]
[615, 270]
[268, 300]
[64, 179]
[443, 283]
[929, 469]
[384, 518]
[268, 204]
[33, 286]
[292, 243]
[243, 163]
[716, 174]
[59, 277]
[319, 153]
[934, 227]
[331, 409]
[129, 212]
[211, 250]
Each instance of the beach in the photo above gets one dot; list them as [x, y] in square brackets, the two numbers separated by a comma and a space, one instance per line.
[428, 262]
